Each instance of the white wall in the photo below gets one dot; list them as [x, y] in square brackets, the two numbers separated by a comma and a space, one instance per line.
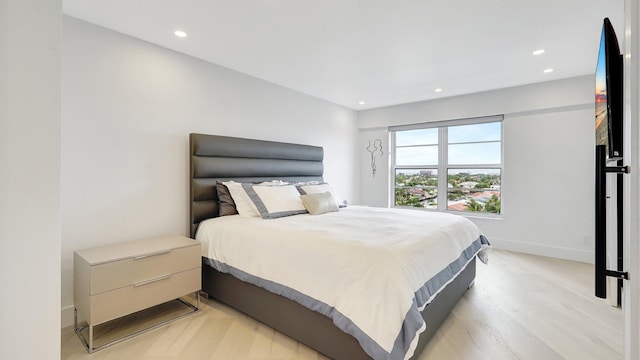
[547, 184]
[631, 289]
[30, 118]
[128, 107]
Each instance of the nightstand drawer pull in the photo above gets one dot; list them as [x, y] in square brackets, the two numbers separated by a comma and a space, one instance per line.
[152, 280]
[150, 255]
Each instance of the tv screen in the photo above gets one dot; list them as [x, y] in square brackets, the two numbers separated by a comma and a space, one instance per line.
[609, 93]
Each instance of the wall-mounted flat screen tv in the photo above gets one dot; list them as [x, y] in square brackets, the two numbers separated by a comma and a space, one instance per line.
[609, 93]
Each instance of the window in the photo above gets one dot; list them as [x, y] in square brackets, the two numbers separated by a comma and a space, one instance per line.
[459, 158]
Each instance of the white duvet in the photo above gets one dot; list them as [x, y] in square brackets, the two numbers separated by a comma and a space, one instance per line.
[366, 264]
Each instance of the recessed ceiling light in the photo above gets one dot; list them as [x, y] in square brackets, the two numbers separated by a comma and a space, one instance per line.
[546, 71]
[438, 90]
[180, 33]
[538, 52]
[361, 103]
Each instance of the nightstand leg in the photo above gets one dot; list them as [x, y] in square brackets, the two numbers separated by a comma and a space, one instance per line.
[78, 331]
[90, 339]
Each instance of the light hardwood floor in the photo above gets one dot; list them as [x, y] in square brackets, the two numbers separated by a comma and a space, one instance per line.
[521, 307]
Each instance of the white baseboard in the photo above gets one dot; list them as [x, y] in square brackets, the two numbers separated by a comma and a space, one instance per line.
[544, 250]
[66, 317]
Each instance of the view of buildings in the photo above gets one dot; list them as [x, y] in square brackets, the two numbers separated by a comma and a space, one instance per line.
[466, 191]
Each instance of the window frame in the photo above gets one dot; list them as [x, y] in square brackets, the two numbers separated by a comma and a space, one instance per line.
[443, 166]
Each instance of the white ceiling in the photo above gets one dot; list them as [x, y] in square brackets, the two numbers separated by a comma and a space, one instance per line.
[382, 52]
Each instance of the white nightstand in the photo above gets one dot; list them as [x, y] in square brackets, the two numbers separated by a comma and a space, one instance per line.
[117, 280]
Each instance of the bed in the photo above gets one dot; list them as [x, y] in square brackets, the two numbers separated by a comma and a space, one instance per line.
[311, 320]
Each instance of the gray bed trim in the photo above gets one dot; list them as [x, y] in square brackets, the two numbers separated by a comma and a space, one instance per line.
[413, 319]
[433, 285]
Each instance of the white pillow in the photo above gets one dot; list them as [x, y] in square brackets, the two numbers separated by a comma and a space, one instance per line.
[244, 205]
[275, 201]
[321, 188]
[319, 203]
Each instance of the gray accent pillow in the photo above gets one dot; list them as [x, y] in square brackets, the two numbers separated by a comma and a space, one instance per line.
[226, 204]
[319, 203]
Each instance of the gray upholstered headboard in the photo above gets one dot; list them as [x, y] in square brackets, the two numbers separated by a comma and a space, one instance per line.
[221, 158]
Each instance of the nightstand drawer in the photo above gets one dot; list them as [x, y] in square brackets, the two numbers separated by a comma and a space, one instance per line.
[148, 292]
[114, 275]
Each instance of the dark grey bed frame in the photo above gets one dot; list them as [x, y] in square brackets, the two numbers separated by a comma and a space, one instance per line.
[220, 158]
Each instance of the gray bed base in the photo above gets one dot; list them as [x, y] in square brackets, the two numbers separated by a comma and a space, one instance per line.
[316, 330]
[219, 158]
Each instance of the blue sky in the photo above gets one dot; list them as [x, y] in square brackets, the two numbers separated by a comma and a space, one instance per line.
[459, 152]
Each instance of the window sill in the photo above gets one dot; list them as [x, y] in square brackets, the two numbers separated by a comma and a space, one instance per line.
[470, 215]
[477, 216]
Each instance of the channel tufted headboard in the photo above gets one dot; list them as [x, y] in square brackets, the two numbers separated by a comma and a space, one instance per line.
[222, 158]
